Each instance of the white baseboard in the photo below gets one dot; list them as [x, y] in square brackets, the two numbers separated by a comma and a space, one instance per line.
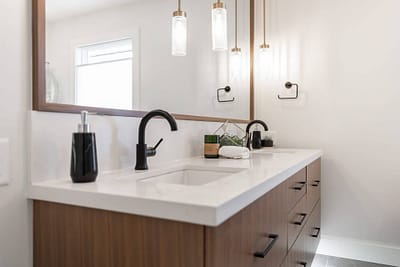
[359, 250]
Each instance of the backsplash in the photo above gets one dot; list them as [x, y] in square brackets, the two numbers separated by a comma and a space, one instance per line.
[51, 136]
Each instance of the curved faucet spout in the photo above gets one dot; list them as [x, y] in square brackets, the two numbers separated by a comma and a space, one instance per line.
[149, 116]
[256, 122]
[248, 135]
[142, 151]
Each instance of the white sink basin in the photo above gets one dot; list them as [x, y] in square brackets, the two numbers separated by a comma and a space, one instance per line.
[191, 175]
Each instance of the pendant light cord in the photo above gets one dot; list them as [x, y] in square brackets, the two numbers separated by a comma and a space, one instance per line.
[236, 23]
[265, 24]
[179, 5]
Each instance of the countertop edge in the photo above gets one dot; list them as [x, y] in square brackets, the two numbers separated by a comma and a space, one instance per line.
[182, 212]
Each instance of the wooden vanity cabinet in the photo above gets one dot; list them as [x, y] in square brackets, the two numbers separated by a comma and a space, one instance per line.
[280, 228]
[69, 236]
[258, 229]
[305, 233]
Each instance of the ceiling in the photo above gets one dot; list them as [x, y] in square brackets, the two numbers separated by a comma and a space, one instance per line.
[59, 9]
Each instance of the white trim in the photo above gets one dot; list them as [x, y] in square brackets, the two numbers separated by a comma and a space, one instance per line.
[362, 250]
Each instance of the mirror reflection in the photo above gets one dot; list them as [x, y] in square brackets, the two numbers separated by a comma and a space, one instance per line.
[120, 54]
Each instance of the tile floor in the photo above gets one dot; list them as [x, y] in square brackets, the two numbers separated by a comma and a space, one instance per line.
[327, 261]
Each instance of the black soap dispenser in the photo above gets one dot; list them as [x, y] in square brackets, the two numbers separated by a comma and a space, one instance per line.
[84, 153]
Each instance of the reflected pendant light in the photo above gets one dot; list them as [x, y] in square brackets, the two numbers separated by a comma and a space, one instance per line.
[236, 52]
[219, 27]
[179, 32]
[264, 46]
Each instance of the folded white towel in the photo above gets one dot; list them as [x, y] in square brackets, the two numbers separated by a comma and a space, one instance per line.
[234, 152]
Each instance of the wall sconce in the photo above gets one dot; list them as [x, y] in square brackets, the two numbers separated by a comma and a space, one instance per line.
[236, 52]
[289, 86]
[179, 32]
[219, 27]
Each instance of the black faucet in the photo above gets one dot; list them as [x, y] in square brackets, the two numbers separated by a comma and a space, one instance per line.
[142, 152]
[248, 130]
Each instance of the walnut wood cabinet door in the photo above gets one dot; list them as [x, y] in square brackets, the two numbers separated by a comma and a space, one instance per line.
[255, 237]
[297, 188]
[69, 236]
[312, 233]
[297, 256]
[313, 184]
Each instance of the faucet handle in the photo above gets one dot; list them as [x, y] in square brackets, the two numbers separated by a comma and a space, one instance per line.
[152, 151]
[158, 143]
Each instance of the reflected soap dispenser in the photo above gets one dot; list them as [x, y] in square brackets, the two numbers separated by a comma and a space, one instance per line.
[84, 153]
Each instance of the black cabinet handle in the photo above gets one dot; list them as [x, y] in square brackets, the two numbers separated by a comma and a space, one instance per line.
[263, 254]
[302, 263]
[316, 183]
[303, 217]
[317, 233]
[299, 188]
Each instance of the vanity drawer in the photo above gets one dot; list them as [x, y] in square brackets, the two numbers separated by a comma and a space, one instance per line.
[255, 237]
[297, 218]
[297, 187]
[296, 256]
[312, 233]
[313, 184]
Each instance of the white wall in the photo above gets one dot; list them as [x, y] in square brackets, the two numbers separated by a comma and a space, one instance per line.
[185, 85]
[345, 56]
[116, 142]
[15, 224]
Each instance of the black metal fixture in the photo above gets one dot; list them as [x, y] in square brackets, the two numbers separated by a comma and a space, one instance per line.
[249, 137]
[227, 89]
[288, 86]
[142, 152]
[264, 253]
[316, 235]
[303, 218]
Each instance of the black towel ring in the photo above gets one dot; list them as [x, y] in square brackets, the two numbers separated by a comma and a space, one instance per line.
[288, 86]
[227, 89]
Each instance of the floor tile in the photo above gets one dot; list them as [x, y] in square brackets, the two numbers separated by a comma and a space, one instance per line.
[327, 261]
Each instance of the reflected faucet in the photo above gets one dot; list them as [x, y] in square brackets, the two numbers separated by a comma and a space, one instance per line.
[142, 152]
[248, 135]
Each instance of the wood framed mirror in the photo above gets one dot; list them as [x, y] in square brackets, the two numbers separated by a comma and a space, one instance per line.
[185, 86]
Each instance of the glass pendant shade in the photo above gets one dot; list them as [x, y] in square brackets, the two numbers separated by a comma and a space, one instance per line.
[179, 34]
[264, 48]
[219, 27]
[236, 62]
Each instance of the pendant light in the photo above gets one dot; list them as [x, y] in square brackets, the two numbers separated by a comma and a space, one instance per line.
[219, 27]
[179, 32]
[236, 52]
[264, 46]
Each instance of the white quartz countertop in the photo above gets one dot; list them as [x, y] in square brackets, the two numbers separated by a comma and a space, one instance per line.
[209, 204]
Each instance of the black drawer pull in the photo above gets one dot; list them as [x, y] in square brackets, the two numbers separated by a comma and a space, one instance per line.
[303, 217]
[302, 263]
[264, 253]
[318, 232]
[299, 188]
[316, 183]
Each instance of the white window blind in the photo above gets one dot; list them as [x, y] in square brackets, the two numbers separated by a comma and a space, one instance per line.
[104, 75]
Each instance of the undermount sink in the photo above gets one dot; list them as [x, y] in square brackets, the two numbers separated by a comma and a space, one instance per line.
[191, 175]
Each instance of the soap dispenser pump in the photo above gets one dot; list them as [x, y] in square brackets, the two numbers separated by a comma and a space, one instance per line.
[84, 167]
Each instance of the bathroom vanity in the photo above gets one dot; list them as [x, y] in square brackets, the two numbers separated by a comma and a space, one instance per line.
[263, 211]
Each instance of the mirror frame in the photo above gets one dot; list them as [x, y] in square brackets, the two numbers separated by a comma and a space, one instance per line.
[39, 75]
